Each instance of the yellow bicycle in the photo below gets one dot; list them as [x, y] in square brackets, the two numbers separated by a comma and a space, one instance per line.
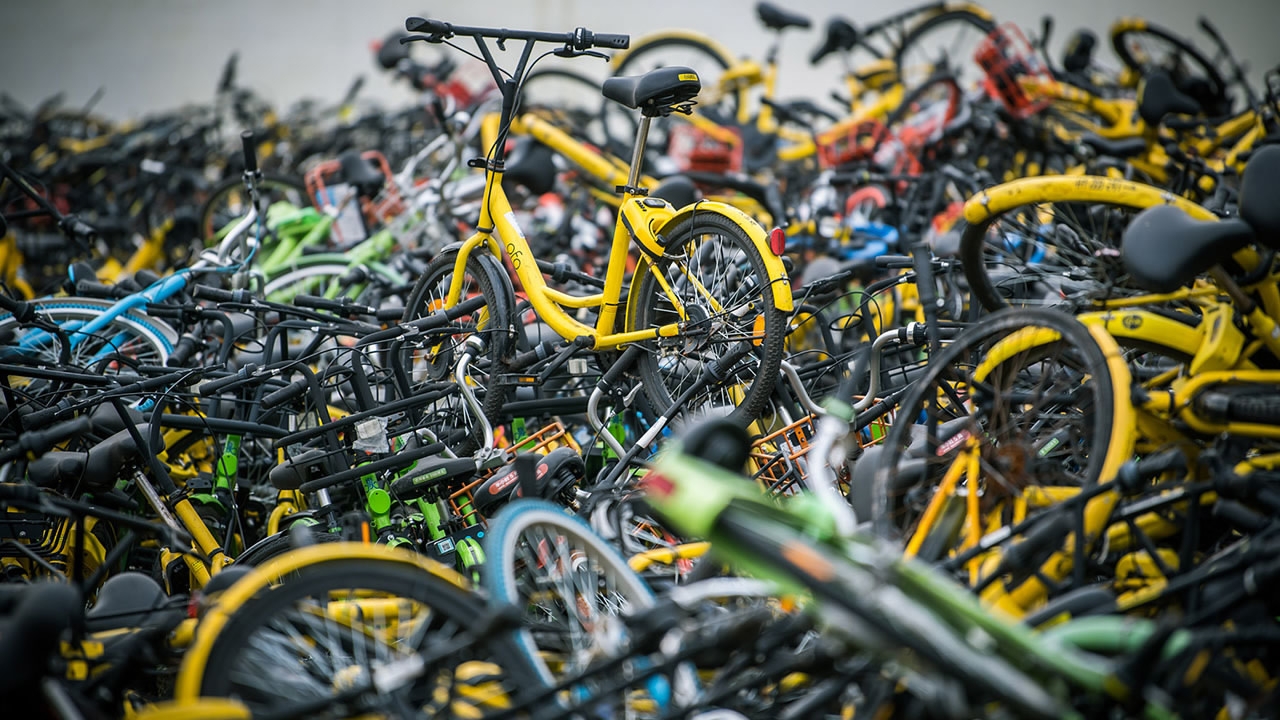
[708, 281]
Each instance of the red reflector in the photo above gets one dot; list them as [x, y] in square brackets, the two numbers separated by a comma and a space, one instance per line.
[655, 484]
[778, 241]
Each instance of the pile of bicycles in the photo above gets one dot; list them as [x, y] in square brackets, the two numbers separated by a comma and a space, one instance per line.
[654, 395]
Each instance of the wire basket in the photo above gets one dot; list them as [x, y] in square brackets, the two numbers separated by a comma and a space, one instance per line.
[846, 143]
[782, 461]
[326, 189]
[1011, 64]
[695, 150]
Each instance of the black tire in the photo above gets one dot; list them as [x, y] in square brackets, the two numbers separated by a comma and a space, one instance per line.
[709, 251]
[1042, 415]
[955, 25]
[257, 659]
[1048, 253]
[279, 544]
[226, 201]
[1212, 94]
[494, 322]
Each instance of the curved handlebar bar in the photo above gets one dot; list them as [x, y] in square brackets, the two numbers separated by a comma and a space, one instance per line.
[579, 39]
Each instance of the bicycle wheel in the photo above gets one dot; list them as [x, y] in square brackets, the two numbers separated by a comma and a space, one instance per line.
[229, 202]
[316, 625]
[432, 359]
[323, 275]
[1056, 242]
[703, 56]
[568, 583]
[130, 335]
[949, 37]
[711, 284]
[1146, 48]
[273, 546]
[1023, 406]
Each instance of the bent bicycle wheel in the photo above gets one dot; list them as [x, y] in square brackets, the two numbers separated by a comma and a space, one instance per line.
[713, 282]
[353, 630]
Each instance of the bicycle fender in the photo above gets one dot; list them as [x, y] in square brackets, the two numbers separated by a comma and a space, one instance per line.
[775, 271]
[1087, 188]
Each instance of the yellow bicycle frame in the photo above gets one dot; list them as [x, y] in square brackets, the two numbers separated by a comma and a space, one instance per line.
[641, 219]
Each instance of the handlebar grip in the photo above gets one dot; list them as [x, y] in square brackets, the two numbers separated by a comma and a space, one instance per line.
[38, 442]
[542, 351]
[612, 40]
[20, 492]
[437, 319]
[204, 292]
[22, 310]
[353, 90]
[89, 288]
[1210, 30]
[718, 369]
[215, 386]
[185, 348]
[316, 302]
[40, 418]
[894, 261]
[425, 25]
[228, 79]
[250, 151]
[284, 394]
[1039, 541]
[76, 227]
[374, 338]
[388, 314]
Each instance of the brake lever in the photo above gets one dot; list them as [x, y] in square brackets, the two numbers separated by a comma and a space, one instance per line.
[568, 52]
[424, 38]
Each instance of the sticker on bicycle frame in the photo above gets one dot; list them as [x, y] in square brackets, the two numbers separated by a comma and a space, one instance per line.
[953, 442]
[691, 77]
[511, 218]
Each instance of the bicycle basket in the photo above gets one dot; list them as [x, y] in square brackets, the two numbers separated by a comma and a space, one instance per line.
[1011, 65]
[781, 457]
[356, 216]
[846, 143]
[695, 150]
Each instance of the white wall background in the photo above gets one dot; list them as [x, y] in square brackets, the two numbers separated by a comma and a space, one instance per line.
[158, 54]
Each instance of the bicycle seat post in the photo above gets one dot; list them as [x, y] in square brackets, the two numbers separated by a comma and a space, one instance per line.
[637, 154]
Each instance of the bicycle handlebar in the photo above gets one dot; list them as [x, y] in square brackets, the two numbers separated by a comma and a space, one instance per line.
[579, 39]
[23, 311]
[434, 321]
[37, 442]
[250, 151]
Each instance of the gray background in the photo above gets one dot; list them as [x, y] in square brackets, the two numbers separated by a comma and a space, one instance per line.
[158, 54]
